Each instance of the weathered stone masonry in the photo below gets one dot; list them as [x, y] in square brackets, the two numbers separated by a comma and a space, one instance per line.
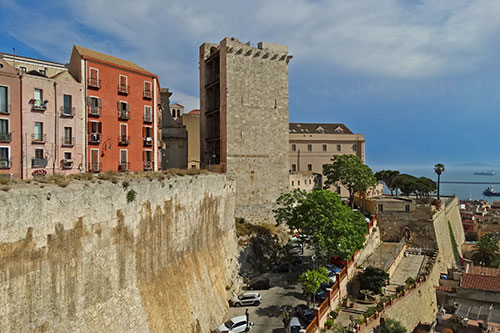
[83, 259]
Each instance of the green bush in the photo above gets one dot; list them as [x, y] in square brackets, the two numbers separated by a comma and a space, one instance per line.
[131, 195]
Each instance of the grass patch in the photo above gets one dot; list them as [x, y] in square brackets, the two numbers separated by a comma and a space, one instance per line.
[454, 245]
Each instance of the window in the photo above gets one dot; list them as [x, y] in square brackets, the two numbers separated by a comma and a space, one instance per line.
[298, 182]
[148, 132]
[67, 155]
[95, 127]
[68, 105]
[4, 154]
[354, 147]
[294, 147]
[324, 147]
[338, 190]
[380, 207]
[123, 156]
[38, 134]
[4, 102]
[147, 114]
[173, 113]
[294, 168]
[178, 113]
[309, 167]
[123, 133]
[68, 138]
[38, 97]
[339, 147]
[407, 208]
[309, 147]
[147, 90]
[122, 84]
[148, 155]
[292, 183]
[38, 153]
[4, 127]
[123, 109]
[94, 78]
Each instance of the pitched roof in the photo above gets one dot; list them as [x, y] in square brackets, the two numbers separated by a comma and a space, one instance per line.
[481, 282]
[194, 111]
[91, 54]
[480, 270]
[318, 128]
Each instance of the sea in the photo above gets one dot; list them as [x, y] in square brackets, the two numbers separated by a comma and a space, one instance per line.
[460, 174]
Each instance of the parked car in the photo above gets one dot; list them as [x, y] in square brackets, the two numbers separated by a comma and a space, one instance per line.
[337, 261]
[284, 267]
[294, 326]
[333, 269]
[260, 284]
[304, 313]
[235, 325]
[320, 295]
[296, 260]
[248, 298]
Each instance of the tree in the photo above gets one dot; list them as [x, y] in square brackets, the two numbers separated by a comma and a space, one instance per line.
[351, 172]
[438, 169]
[407, 184]
[323, 221]
[390, 326]
[486, 251]
[389, 179]
[373, 279]
[424, 186]
[311, 280]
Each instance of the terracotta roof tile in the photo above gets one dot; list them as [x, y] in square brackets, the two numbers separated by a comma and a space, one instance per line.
[480, 270]
[195, 111]
[88, 53]
[314, 128]
[444, 288]
[481, 282]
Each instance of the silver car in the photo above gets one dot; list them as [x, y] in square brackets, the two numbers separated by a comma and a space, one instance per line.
[248, 298]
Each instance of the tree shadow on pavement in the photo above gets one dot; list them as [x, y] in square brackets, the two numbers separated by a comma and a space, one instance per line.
[270, 311]
[295, 294]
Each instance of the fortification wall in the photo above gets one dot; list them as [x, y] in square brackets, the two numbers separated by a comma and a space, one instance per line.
[84, 259]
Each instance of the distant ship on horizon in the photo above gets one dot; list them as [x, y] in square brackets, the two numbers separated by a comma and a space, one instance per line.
[485, 173]
[490, 192]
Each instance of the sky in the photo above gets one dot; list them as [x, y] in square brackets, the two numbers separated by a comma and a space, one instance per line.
[419, 79]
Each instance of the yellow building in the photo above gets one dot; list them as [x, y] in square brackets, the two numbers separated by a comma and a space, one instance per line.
[192, 122]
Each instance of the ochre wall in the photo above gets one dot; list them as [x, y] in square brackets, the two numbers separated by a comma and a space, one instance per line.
[83, 259]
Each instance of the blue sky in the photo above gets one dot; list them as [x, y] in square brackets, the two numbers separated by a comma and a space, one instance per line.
[419, 79]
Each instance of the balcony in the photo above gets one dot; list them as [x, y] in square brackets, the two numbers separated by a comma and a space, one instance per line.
[148, 141]
[38, 105]
[94, 83]
[5, 109]
[123, 140]
[123, 89]
[94, 137]
[67, 164]
[148, 94]
[40, 138]
[95, 167]
[124, 166]
[148, 118]
[5, 164]
[38, 162]
[67, 111]
[148, 165]
[123, 115]
[5, 137]
[67, 141]
[94, 110]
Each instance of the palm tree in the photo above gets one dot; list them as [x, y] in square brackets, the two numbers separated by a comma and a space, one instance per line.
[486, 251]
[439, 169]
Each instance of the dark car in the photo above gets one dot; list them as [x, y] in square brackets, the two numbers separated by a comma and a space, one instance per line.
[337, 261]
[260, 284]
[284, 267]
[296, 260]
[320, 295]
[304, 313]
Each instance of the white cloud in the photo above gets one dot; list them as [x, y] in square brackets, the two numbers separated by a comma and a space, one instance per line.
[386, 38]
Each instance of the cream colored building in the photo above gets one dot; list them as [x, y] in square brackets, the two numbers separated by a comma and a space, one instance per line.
[313, 145]
[177, 111]
[192, 122]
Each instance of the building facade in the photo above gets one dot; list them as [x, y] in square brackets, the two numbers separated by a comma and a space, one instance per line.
[244, 120]
[121, 114]
[313, 145]
[174, 153]
[10, 121]
[192, 122]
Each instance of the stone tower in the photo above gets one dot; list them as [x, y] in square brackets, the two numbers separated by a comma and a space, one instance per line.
[244, 121]
[173, 135]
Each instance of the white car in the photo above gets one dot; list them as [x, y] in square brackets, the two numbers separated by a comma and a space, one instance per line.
[248, 298]
[236, 325]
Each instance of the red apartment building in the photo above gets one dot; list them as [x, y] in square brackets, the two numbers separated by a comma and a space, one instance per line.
[121, 101]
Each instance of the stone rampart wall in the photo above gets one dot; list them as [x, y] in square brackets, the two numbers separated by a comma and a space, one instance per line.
[84, 259]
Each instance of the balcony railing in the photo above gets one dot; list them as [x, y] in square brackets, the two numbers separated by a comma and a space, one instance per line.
[94, 83]
[94, 137]
[5, 164]
[95, 167]
[123, 115]
[67, 111]
[38, 105]
[5, 109]
[38, 162]
[5, 137]
[67, 164]
[148, 94]
[148, 165]
[67, 141]
[123, 89]
[124, 139]
[40, 138]
[124, 166]
[148, 118]
[148, 141]
[94, 110]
